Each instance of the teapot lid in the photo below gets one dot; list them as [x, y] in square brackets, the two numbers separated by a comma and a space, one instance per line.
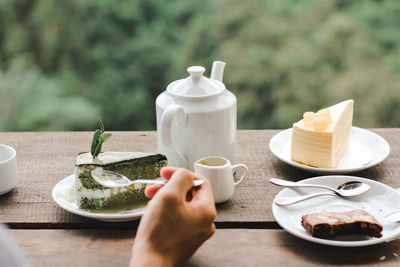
[196, 84]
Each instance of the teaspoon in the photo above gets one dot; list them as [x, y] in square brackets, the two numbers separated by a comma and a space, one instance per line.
[113, 180]
[347, 190]
[393, 216]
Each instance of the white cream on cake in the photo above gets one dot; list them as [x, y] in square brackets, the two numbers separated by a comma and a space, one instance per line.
[320, 139]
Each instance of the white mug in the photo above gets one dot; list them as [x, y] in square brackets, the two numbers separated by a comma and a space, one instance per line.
[8, 169]
[219, 171]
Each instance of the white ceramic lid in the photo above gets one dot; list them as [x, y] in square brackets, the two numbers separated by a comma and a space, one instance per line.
[196, 84]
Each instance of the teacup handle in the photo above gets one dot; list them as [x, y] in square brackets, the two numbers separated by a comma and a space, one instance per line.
[246, 169]
[166, 128]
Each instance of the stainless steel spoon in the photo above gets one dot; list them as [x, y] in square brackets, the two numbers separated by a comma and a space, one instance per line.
[113, 180]
[344, 190]
[393, 216]
[347, 190]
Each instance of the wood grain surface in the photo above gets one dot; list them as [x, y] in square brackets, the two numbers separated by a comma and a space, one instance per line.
[228, 247]
[247, 233]
[45, 158]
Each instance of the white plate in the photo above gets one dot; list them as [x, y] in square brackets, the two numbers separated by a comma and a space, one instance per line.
[366, 149]
[379, 201]
[60, 197]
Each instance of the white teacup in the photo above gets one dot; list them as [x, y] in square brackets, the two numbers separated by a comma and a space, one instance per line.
[8, 169]
[219, 171]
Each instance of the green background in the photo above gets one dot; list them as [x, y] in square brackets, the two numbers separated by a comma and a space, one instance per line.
[65, 63]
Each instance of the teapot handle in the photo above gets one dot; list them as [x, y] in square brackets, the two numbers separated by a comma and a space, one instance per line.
[167, 118]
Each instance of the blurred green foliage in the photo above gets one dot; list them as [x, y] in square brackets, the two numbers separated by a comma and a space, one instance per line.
[65, 63]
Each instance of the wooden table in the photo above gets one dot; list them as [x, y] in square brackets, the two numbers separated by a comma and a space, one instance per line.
[247, 233]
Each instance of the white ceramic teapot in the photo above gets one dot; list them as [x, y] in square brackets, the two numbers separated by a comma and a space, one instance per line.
[196, 118]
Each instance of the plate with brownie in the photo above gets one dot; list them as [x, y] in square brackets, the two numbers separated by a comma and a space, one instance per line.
[345, 222]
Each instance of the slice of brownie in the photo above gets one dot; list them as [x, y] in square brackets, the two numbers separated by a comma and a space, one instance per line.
[332, 224]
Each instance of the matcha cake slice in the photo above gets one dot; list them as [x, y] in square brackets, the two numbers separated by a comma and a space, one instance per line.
[135, 165]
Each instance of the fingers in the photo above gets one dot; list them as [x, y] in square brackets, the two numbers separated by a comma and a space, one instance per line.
[204, 194]
[181, 181]
[151, 190]
[203, 202]
[167, 172]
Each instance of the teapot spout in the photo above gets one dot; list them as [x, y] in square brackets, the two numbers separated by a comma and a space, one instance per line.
[217, 71]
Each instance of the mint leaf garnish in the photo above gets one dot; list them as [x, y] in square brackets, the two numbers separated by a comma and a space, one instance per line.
[99, 137]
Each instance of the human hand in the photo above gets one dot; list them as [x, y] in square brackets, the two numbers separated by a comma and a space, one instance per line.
[179, 218]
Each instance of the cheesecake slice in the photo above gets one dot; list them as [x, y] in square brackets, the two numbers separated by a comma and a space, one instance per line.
[90, 195]
[320, 139]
